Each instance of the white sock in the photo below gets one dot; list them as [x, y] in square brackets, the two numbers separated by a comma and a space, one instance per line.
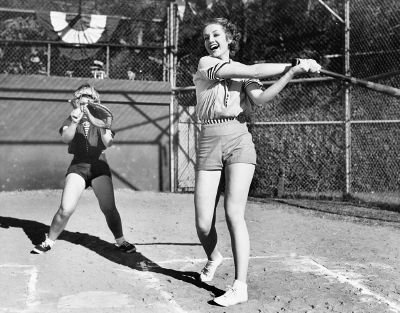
[218, 259]
[49, 241]
[120, 240]
[240, 285]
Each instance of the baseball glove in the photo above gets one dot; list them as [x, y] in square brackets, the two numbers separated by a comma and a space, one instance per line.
[88, 100]
[99, 115]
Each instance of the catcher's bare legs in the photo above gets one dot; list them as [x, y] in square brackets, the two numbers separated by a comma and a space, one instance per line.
[96, 169]
[238, 180]
[104, 191]
[74, 186]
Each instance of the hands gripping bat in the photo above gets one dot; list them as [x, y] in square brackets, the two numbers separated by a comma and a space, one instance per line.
[392, 91]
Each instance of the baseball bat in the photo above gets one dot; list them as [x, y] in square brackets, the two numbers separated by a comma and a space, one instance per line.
[388, 90]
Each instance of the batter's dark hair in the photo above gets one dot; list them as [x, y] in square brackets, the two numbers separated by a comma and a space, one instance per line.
[230, 30]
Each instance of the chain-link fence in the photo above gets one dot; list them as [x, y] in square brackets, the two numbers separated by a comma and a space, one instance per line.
[122, 40]
[48, 48]
[320, 137]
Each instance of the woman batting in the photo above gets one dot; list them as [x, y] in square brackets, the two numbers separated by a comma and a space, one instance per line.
[223, 89]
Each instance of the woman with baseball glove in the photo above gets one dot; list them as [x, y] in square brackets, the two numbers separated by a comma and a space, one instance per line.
[225, 89]
[87, 133]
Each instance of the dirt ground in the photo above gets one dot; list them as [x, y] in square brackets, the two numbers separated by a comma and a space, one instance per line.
[303, 259]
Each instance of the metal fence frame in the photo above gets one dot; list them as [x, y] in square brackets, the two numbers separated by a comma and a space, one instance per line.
[170, 52]
[347, 121]
[169, 49]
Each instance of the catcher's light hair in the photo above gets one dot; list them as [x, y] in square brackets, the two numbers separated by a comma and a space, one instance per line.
[231, 32]
[87, 90]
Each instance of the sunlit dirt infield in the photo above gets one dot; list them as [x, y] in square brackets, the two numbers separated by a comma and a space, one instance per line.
[302, 260]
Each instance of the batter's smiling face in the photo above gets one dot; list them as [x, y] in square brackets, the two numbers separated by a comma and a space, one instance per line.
[216, 41]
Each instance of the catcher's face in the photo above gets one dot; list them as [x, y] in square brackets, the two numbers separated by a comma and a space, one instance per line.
[86, 95]
[86, 99]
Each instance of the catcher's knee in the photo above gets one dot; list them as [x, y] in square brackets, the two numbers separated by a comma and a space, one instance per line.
[65, 211]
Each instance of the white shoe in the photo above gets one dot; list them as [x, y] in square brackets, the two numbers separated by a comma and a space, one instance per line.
[208, 271]
[234, 295]
[44, 246]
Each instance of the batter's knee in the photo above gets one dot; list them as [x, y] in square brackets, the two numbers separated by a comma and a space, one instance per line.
[203, 226]
[235, 218]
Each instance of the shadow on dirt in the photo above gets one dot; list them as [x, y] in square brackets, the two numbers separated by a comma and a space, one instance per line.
[136, 261]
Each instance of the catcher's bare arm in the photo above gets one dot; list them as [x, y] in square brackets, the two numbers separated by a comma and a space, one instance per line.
[68, 132]
[107, 137]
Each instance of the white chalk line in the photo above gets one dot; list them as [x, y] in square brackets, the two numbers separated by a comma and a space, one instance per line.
[323, 270]
[33, 277]
[154, 283]
[32, 273]
[195, 260]
[355, 283]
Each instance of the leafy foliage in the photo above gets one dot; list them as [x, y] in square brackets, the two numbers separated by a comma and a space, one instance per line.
[272, 31]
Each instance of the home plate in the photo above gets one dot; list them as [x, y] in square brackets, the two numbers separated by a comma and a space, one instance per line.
[95, 299]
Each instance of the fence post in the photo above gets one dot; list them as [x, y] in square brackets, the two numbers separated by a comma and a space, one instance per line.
[108, 61]
[172, 45]
[48, 59]
[347, 102]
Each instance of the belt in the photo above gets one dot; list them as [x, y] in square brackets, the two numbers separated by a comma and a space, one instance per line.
[218, 120]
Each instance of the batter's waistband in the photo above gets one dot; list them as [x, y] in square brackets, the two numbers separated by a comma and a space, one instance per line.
[222, 129]
[218, 120]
